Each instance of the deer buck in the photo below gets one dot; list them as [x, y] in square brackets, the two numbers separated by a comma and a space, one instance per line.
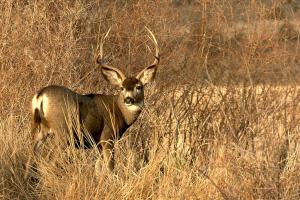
[104, 117]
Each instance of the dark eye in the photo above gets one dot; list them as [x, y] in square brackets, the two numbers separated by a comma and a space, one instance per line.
[139, 87]
[122, 88]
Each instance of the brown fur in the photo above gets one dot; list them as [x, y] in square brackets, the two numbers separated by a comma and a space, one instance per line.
[104, 117]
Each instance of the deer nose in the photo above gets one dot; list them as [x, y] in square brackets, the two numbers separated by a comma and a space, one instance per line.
[129, 100]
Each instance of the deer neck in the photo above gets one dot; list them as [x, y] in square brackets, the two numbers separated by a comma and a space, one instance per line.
[130, 113]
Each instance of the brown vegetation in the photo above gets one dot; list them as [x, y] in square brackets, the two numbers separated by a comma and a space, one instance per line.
[221, 121]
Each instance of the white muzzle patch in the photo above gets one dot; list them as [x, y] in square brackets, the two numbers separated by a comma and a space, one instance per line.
[135, 107]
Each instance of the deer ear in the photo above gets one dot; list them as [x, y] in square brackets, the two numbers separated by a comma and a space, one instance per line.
[147, 75]
[112, 75]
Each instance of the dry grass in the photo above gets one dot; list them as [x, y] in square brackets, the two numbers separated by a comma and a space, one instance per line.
[221, 120]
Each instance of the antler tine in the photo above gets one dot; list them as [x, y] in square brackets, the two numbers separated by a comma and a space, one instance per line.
[157, 56]
[99, 58]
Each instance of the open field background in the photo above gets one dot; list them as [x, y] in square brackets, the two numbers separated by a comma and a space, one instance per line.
[221, 120]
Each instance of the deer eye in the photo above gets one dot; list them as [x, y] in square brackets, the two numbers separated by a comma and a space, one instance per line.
[122, 88]
[139, 87]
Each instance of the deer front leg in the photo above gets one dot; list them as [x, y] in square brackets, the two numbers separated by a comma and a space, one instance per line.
[108, 154]
[107, 151]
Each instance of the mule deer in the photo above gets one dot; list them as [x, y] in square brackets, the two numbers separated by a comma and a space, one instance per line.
[105, 117]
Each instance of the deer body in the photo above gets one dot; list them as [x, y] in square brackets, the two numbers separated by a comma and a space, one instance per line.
[104, 117]
[52, 104]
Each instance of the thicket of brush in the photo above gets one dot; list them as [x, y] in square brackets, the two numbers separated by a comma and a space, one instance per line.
[221, 120]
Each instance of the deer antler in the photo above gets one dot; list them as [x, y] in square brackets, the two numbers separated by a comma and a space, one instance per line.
[100, 60]
[157, 56]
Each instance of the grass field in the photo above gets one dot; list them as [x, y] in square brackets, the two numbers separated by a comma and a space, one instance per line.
[221, 120]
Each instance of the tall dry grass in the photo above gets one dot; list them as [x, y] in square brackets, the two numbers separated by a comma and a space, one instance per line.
[220, 122]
